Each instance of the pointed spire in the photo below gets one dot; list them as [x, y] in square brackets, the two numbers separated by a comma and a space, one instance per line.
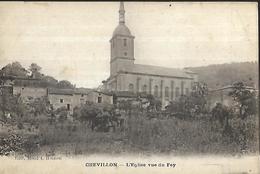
[121, 13]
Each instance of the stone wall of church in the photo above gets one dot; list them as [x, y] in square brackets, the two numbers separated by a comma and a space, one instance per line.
[164, 88]
[122, 46]
[121, 64]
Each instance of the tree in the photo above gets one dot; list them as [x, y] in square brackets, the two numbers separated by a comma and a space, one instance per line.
[35, 70]
[154, 104]
[50, 81]
[65, 84]
[12, 105]
[14, 69]
[222, 114]
[62, 113]
[198, 96]
[183, 107]
[87, 113]
[39, 105]
[188, 105]
[245, 98]
[126, 105]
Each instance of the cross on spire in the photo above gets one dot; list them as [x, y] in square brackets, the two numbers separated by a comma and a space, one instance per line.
[121, 13]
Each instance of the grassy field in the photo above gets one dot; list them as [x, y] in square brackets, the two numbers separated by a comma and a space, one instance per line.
[140, 135]
[147, 136]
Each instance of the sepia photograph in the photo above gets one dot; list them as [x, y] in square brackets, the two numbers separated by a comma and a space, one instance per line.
[129, 87]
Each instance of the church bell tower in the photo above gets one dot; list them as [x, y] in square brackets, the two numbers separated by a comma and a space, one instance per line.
[122, 46]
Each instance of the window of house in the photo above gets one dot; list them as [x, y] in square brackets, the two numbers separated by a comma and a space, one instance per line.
[125, 53]
[131, 87]
[166, 92]
[125, 42]
[82, 95]
[68, 106]
[61, 100]
[177, 92]
[99, 99]
[156, 92]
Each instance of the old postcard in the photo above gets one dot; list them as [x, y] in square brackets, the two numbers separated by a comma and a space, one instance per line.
[129, 87]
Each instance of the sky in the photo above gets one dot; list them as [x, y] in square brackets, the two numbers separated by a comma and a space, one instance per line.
[70, 40]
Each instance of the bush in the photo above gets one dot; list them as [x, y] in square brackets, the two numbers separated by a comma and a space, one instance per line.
[20, 125]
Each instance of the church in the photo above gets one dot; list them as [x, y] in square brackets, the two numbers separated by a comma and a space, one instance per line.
[165, 84]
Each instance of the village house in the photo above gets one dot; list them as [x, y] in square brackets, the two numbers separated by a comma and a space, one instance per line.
[70, 98]
[221, 95]
[100, 97]
[27, 88]
[30, 88]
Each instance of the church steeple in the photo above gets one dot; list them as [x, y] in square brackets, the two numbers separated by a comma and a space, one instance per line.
[122, 45]
[121, 13]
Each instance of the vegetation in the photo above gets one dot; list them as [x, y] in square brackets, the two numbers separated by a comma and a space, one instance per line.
[15, 69]
[246, 100]
[226, 74]
[191, 105]
[187, 125]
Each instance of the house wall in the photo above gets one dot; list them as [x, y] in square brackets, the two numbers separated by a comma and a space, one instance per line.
[93, 97]
[79, 99]
[34, 92]
[55, 101]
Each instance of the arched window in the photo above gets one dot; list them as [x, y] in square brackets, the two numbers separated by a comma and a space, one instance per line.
[166, 92]
[177, 92]
[144, 90]
[156, 92]
[125, 42]
[131, 87]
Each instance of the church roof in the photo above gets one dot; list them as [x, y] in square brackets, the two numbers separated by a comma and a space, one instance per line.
[122, 29]
[159, 71]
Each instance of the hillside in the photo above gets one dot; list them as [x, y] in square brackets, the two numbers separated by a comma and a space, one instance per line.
[225, 74]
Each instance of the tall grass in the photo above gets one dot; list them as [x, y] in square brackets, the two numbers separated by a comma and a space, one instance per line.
[186, 136]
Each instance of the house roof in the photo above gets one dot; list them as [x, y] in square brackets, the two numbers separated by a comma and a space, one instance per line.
[230, 87]
[60, 91]
[102, 92]
[82, 90]
[159, 71]
[9, 77]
